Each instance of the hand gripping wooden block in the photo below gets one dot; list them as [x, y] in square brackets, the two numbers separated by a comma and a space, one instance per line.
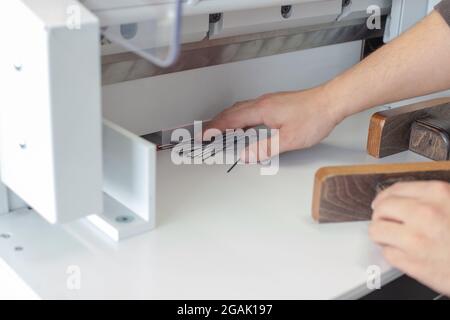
[346, 193]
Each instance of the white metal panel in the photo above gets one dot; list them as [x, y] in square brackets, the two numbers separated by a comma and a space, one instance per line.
[267, 19]
[166, 101]
[50, 116]
[193, 6]
[116, 12]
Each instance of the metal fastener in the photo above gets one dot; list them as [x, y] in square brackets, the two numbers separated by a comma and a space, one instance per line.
[286, 11]
[215, 17]
[124, 219]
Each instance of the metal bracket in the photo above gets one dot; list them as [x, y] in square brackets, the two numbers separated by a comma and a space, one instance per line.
[129, 169]
[129, 165]
[118, 222]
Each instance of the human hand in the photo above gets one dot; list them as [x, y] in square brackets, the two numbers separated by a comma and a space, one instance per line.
[411, 221]
[303, 118]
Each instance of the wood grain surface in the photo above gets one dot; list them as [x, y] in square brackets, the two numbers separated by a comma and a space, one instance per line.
[343, 194]
[430, 138]
[389, 131]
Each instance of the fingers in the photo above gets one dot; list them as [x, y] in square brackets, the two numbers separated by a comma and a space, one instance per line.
[261, 150]
[409, 211]
[241, 115]
[395, 208]
[410, 222]
[398, 236]
[265, 149]
[406, 260]
[413, 203]
[425, 190]
[388, 233]
[400, 260]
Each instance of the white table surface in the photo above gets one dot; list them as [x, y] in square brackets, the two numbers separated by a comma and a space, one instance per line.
[218, 236]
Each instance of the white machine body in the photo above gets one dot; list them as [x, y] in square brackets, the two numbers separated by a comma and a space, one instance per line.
[58, 156]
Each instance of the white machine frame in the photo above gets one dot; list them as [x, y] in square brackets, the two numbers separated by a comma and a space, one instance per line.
[75, 151]
[72, 187]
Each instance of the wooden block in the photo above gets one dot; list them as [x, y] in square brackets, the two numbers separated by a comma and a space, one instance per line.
[430, 137]
[389, 130]
[343, 194]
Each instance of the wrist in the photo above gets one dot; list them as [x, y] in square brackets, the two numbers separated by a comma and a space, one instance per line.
[332, 103]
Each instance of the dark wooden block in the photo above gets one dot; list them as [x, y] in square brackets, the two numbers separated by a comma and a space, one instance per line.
[346, 193]
[430, 137]
[389, 131]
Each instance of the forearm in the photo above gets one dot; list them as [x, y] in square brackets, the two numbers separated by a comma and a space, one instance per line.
[417, 63]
